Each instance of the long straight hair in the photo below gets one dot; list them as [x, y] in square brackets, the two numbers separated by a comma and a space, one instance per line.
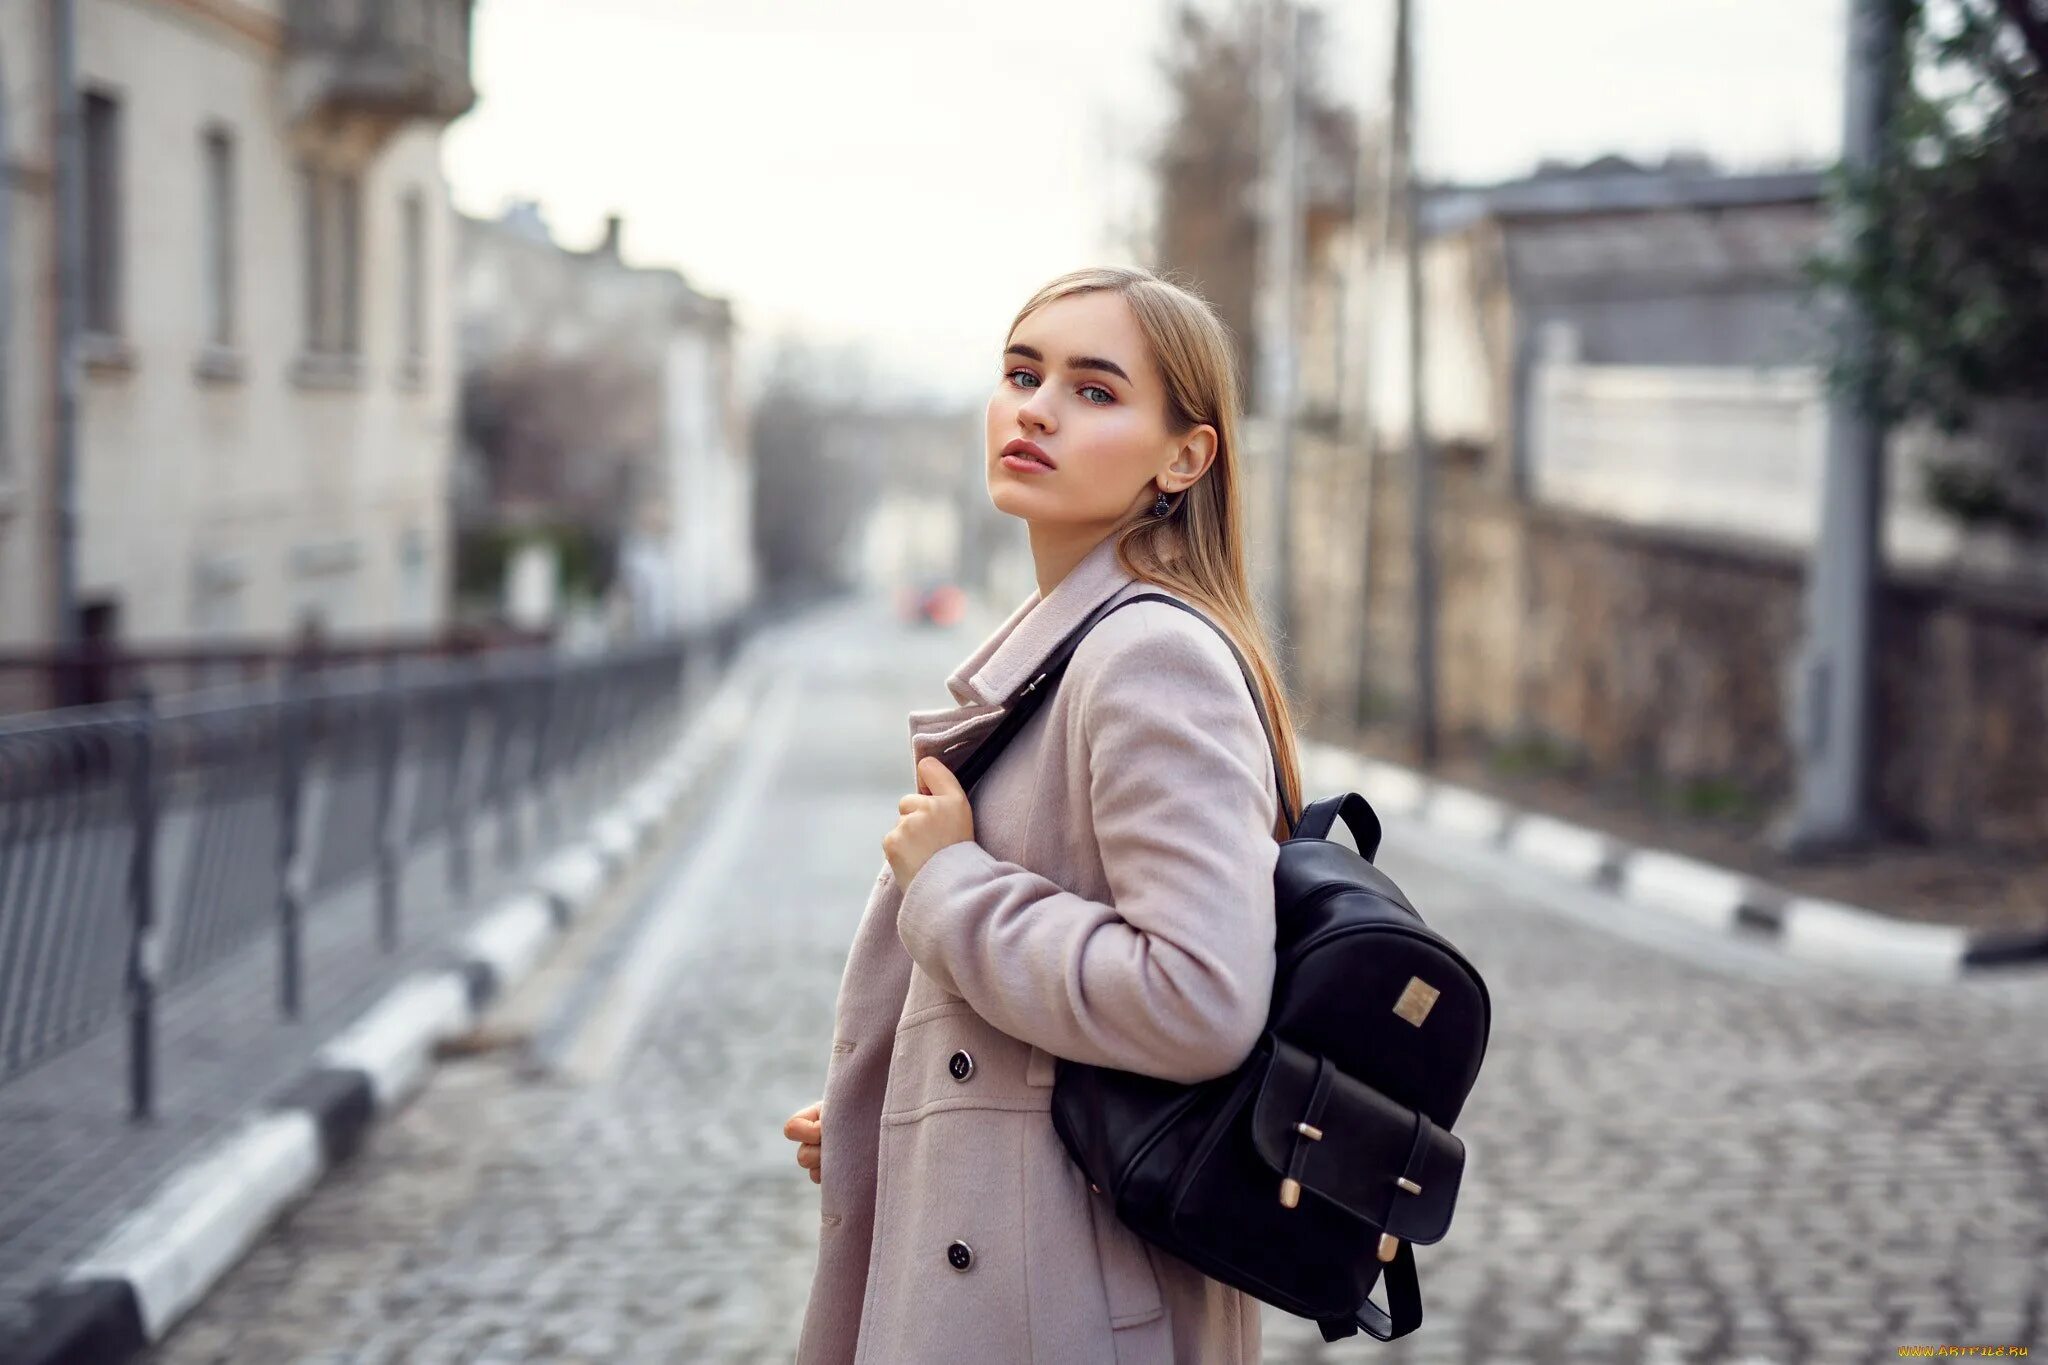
[1197, 548]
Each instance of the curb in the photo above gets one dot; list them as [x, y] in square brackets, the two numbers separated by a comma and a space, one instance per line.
[125, 1295]
[1666, 883]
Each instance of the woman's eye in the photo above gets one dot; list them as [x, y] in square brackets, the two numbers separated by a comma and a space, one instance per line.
[1103, 402]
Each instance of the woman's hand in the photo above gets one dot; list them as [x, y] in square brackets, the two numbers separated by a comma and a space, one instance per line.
[806, 1128]
[936, 815]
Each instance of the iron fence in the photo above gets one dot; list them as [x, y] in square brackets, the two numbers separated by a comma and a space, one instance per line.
[141, 842]
[37, 679]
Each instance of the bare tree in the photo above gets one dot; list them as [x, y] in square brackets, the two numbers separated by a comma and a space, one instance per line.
[569, 440]
[1206, 168]
[807, 504]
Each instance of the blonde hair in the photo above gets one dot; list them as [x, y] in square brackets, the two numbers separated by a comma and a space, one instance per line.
[1197, 548]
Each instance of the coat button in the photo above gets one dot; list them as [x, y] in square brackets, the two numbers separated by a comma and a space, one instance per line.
[959, 1256]
[960, 1065]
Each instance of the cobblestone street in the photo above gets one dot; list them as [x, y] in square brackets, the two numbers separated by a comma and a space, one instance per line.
[1677, 1154]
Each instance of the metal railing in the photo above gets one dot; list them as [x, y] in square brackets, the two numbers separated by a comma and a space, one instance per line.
[142, 842]
[40, 679]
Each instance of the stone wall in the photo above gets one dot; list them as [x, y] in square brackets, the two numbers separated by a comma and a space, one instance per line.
[1641, 653]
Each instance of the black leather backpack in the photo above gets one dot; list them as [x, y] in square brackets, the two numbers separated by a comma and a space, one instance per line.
[1304, 1174]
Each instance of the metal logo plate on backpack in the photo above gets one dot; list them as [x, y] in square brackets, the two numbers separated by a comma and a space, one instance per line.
[1416, 998]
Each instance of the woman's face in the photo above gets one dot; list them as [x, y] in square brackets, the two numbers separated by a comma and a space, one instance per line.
[1079, 382]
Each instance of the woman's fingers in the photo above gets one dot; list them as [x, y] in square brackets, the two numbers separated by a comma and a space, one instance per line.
[806, 1128]
[803, 1124]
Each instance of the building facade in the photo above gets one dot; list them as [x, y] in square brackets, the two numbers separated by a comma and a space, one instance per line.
[266, 394]
[1625, 407]
[618, 412]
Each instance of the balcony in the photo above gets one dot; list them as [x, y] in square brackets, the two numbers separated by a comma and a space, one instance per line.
[377, 64]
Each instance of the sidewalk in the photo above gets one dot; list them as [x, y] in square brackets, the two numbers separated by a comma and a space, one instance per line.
[1991, 906]
[1969, 889]
[72, 1162]
[77, 1174]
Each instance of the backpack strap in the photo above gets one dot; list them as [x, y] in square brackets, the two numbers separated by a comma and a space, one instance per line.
[1403, 1313]
[1019, 707]
[1357, 812]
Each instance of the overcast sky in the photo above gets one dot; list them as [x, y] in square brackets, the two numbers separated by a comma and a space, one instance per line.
[903, 175]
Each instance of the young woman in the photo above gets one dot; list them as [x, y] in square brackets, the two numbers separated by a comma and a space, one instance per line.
[1107, 896]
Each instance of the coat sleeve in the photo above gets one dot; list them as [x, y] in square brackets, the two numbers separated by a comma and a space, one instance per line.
[1174, 976]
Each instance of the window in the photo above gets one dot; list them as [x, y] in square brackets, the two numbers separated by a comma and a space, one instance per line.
[219, 264]
[312, 239]
[415, 589]
[348, 210]
[412, 304]
[332, 227]
[101, 115]
[217, 607]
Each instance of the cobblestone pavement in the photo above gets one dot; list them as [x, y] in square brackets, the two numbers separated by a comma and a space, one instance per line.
[1674, 1157]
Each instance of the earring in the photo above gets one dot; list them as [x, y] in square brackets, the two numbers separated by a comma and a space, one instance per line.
[1160, 506]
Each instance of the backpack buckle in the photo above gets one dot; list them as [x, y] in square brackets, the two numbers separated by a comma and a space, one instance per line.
[1389, 1243]
[1290, 1188]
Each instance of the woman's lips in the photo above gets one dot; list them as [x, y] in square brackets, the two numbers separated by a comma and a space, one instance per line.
[1029, 449]
[1024, 464]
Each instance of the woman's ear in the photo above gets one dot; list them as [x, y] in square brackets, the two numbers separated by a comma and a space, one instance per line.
[1197, 451]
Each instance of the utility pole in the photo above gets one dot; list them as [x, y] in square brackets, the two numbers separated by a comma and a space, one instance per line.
[1373, 231]
[1423, 469]
[70, 248]
[1831, 693]
[1279, 265]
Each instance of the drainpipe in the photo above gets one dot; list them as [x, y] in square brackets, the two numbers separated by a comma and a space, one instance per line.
[70, 247]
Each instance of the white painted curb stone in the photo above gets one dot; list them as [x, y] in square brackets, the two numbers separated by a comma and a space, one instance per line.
[393, 1044]
[1684, 887]
[1467, 814]
[1829, 931]
[614, 838]
[1559, 846]
[645, 810]
[664, 792]
[204, 1218]
[1326, 768]
[1392, 790]
[512, 938]
[572, 877]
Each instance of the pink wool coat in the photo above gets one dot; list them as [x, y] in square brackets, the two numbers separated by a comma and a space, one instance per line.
[1115, 907]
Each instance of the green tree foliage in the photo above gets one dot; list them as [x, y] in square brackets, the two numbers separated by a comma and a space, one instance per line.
[1949, 252]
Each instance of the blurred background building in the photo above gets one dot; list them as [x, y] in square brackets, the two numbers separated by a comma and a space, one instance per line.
[268, 394]
[601, 418]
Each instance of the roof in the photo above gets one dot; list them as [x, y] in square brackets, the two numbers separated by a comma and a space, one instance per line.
[1449, 208]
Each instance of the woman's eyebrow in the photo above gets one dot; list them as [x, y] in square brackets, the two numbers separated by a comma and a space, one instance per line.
[1074, 362]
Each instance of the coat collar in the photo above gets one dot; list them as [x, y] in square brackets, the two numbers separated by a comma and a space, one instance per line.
[1005, 661]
